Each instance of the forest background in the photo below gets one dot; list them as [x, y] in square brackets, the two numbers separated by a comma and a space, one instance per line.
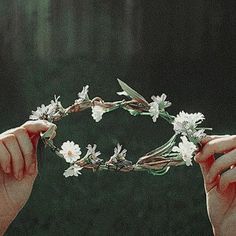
[182, 48]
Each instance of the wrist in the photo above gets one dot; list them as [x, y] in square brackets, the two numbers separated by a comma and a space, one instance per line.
[224, 231]
[7, 215]
[5, 221]
[216, 232]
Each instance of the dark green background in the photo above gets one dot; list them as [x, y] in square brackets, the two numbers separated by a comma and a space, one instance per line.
[183, 48]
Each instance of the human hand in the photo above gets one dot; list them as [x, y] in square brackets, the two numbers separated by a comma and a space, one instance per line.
[18, 162]
[220, 182]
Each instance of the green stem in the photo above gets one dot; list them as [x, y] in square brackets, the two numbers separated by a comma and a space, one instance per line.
[169, 118]
[204, 128]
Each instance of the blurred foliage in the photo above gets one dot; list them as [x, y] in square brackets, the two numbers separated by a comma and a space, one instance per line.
[184, 49]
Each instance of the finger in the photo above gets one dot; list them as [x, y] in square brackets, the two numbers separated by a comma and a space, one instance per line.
[27, 149]
[35, 127]
[221, 164]
[205, 140]
[205, 167]
[207, 163]
[226, 179]
[208, 138]
[32, 127]
[5, 158]
[17, 160]
[214, 146]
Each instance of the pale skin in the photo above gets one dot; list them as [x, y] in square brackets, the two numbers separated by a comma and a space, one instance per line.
[18, 170]
[219, 176]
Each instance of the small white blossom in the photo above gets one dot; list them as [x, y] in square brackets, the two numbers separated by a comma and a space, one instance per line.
[83, 95]
[119, 154]
[97, 113]
[73, 170]
[47, 112]
[154, 111]
[186, 123]
[56, 104]
[92, 154]
[197, 136]
[161, 101]
[186, 150]
[40, 113]
[70, 151]
[159, 104]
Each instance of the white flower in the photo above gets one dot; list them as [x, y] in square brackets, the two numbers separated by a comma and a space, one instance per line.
[186, 150]
[186, 123]
[55, 105]
[154, 111]
[47, 112]
[70, 151]
[159, 104]
[40, 113]
[92, 154]
[83, 95]
[196, 136]
[199, 134]
[97, 112]
[161, 101]
[73, 170]
[119, 154]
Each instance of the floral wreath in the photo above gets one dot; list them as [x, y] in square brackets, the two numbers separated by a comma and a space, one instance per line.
[156, 162]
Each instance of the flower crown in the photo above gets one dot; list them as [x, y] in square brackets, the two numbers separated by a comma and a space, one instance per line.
[156, 162]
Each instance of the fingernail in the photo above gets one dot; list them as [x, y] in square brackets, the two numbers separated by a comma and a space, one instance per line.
[32, 169]
[20, 175]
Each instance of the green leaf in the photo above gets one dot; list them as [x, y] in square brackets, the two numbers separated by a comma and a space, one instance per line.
[165, 115]
[131, 92]
[159, 172]
[133, 113]
[164, 148]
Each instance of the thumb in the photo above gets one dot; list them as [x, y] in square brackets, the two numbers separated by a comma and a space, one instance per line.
[35, 127]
